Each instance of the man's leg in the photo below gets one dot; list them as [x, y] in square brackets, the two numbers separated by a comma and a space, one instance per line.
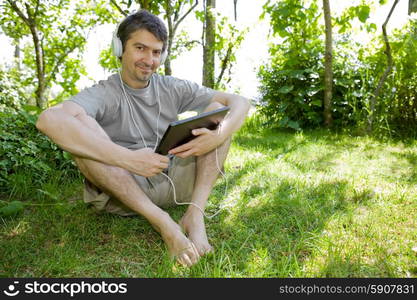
[207, 173]
[121, 184]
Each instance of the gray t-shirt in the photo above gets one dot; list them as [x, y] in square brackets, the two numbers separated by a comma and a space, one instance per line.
[120, 118]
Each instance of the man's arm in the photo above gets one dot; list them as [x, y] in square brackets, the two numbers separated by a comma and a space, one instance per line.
[68, 125]
[208, 140]
[239, 107]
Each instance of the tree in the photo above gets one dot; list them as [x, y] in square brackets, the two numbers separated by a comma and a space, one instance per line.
[209, 40]
[228, 40]
[328, 66]
[220, 40]
[54, 38]
[387, 71]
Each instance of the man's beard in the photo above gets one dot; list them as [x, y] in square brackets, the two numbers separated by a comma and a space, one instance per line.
[143, 78]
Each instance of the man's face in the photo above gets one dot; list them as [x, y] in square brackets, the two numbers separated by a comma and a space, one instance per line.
[141, 58]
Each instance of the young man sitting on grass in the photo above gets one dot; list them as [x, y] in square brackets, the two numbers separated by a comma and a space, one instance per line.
[112, 128]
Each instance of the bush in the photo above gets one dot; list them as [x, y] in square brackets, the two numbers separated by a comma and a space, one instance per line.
[28, 158]
[292, 84]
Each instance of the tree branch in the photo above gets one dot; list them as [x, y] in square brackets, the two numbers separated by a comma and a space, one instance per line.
[118, 7]
[19, 12]
[37, 8]
[386, 72]
[225, 62]
[185, 15]
[58, 63]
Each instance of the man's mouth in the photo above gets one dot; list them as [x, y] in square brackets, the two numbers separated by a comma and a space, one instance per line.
[144, 68]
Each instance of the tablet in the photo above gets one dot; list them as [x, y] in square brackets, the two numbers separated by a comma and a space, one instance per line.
[179, 132]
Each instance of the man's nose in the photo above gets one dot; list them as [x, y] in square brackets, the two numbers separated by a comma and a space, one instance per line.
[148, 57]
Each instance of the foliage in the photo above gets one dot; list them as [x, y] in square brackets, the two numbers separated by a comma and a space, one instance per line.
[24, 150]
[292, 88]
[62, 27]
[397, 105]
[108, 61]
[228, 38]
[11, 91]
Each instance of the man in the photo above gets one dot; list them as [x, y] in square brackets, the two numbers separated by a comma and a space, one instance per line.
[112, 127]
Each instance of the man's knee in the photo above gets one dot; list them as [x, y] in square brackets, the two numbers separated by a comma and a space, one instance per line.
[102, 175]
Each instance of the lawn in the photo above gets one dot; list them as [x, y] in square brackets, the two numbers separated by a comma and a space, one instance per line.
[299, 204]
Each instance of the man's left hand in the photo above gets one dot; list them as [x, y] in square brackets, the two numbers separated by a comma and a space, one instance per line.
[205, 141]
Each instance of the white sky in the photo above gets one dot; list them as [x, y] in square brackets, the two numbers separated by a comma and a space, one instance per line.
[252, 53]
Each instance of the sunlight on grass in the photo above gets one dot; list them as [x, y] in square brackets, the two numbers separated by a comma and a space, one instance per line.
[306, 204]
[258, 261]
[20, 228]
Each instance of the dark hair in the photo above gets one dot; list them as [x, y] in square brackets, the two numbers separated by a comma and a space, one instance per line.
[142, 19]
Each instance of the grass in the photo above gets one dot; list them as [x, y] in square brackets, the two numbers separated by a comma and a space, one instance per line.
[310, 204]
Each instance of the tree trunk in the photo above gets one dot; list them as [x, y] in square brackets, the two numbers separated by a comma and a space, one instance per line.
[412, 6]
[328, 67]
[384, 76]
[171, 33]
[40, 70]
[30, 21]
[224, 65]
[209, 44]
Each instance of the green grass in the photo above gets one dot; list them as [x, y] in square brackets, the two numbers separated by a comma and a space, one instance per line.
[311, 204]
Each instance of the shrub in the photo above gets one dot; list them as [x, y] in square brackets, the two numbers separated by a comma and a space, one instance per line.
[27, 157]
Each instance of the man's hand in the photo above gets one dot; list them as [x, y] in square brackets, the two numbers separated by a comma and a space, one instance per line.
[145, 162]
[205, 141]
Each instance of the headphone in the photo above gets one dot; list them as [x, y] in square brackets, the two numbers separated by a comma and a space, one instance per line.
[117, 47]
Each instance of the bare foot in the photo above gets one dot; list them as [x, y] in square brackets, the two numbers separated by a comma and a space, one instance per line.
[179, 246]
[194, 227]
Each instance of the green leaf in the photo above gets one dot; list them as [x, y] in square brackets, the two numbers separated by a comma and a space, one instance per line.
[293, 125]
[363, 13]
[286, 89]
[32, 108]
[316, 103]
[372, 27]
[13, 208]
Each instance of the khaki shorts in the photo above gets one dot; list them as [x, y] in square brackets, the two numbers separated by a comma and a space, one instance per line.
[157, 188]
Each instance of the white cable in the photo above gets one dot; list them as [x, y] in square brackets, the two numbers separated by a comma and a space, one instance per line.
[191, 203]
[134, 120]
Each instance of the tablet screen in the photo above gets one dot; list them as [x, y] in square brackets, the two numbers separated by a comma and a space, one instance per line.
[179, 132]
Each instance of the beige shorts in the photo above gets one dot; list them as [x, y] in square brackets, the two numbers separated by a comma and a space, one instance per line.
[157, 188]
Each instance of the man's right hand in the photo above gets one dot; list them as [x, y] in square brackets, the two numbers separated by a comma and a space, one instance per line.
[145, 162]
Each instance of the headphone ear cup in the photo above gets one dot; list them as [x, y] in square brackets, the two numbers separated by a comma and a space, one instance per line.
[116, 45]
[164, 57]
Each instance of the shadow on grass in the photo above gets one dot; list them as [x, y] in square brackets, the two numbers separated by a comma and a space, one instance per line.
[270, 233]
[411, 157]
[284, 226]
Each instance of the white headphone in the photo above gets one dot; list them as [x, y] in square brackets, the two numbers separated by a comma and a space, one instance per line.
[117, 47]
